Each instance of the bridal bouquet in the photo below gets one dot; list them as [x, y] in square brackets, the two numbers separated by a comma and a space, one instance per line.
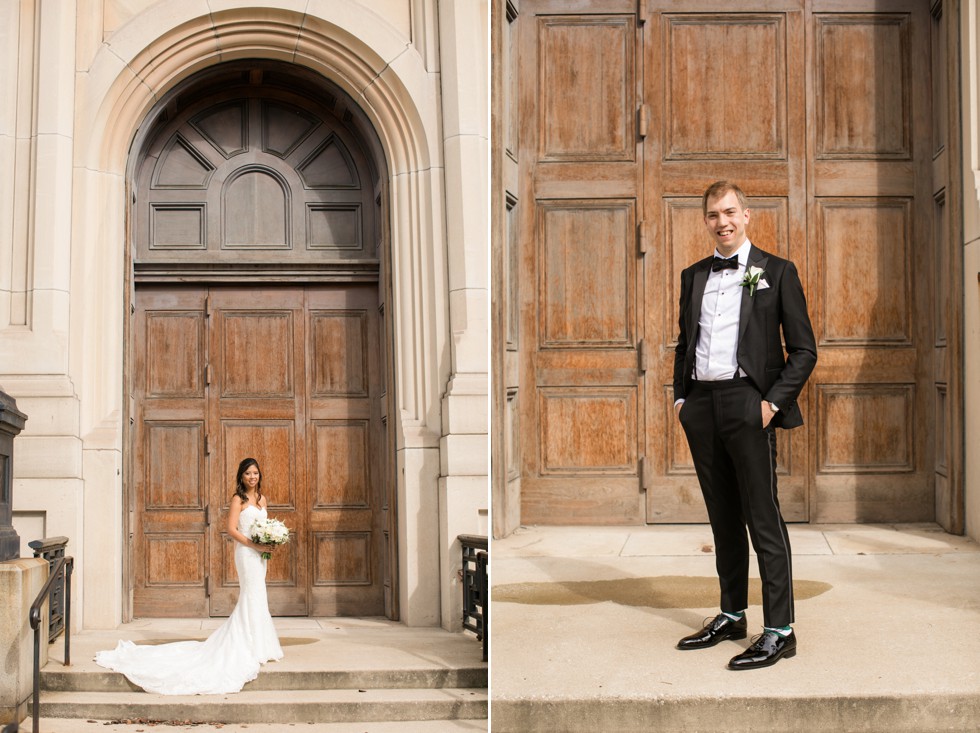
[268, 532]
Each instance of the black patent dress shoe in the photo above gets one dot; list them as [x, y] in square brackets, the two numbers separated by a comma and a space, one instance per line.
[766, 649]
[717, 629]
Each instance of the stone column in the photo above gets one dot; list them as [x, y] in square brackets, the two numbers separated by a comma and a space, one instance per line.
[463, 496]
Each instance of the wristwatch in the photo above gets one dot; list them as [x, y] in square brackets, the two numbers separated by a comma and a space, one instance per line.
[772, 406]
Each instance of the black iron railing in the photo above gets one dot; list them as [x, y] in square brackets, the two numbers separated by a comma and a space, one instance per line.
[60, 573]
[52, 549]
[476, 600]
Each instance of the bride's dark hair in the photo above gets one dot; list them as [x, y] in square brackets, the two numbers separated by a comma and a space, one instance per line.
[240, 487]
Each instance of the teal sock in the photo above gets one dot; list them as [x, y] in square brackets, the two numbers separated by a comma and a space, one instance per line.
[781, 630]
[734, 616]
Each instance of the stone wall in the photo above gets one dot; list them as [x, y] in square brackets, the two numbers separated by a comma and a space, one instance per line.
[84, 74]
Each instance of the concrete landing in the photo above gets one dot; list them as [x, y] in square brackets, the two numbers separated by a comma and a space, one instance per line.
[361, 673]
[584, 623]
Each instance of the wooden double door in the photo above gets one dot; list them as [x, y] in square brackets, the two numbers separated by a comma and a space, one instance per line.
[620, 113]
[291, 376]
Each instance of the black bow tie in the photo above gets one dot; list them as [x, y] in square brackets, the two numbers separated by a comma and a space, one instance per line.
[720, 263]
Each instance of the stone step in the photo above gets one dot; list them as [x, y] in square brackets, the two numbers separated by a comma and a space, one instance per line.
[56, 678]
[91, 725]
[273, 706]
[906, 712]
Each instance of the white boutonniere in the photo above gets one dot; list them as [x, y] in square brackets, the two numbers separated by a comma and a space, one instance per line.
[751, 279]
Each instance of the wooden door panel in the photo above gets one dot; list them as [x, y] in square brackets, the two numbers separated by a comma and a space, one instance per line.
[170, 477]
[763, 149]
[346, 494]
[257, 354]
[575, 248]
[863, 85]
[701, 87]
[587, 115]
[174, 354]
[341, 454]
[339, 352]
[864, 274]
[588, 274]
[870, 219]
[174, 476]
[258, 373]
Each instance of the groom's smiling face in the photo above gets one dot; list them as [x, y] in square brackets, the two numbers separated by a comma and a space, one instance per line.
[726, 221]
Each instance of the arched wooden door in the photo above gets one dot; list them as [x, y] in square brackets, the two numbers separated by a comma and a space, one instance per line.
[256, 332]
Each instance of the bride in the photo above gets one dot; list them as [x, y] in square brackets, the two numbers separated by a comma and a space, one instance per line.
[231, 656]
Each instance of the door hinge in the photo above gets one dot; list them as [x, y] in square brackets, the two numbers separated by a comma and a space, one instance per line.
[642, 359]
[207, 306]
[641, 12]
[644, 474]
[208, 447]
[207, 585]
[207, 515]
[644, 120]
[642, 236]
[207, 374]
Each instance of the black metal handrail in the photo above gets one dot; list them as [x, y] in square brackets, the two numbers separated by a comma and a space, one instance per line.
[61, 571]
[476, 606]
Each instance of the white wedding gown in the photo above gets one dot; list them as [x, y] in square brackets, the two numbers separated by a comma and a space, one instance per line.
[228, 658]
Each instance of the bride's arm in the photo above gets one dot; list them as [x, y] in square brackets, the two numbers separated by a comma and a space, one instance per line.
[233, 511]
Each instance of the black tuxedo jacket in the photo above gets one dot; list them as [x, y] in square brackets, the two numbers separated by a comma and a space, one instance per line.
[778, 378]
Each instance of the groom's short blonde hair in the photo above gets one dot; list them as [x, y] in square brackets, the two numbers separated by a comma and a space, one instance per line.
[719, 189]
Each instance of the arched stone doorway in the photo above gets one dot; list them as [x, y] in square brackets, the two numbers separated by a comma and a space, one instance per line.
[258, 264]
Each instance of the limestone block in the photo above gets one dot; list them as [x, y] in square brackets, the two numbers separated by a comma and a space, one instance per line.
[467, 160]
[50, 415]
[361, 21]
[148, 21]
[466, 413]
[20, 582]
[56, 69]
[52, 227]
[465, 455]
[417, 92]
[468, 321]
[30, 527]
[463, 55]
[48, 457]
[102, 540]
[118, 12]
[9, 49]
[59, 501]
[90, 20]
[418, 536]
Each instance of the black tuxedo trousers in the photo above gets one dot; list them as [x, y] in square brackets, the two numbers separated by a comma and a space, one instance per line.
[735, 460]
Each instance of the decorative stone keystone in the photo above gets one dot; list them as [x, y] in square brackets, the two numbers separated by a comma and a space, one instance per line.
[12, 422]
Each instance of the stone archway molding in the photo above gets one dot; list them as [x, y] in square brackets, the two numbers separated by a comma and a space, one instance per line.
[357, 51]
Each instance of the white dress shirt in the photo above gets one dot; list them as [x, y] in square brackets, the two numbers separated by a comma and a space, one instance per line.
[715, 354]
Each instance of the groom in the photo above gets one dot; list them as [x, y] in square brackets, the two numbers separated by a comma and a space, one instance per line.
[732, 387]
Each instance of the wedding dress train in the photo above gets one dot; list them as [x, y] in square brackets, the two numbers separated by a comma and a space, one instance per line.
[228, 658]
